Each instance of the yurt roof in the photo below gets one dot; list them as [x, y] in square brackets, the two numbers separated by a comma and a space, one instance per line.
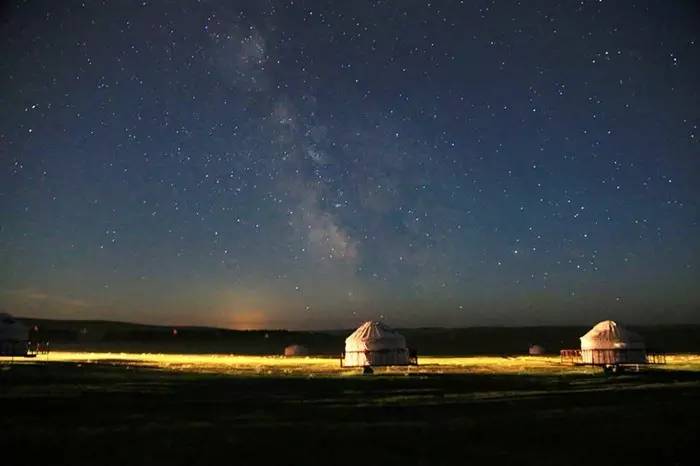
[375, 334]
[610, 331]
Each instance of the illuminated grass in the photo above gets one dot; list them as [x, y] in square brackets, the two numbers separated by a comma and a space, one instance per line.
[205, 363]
[310, 366]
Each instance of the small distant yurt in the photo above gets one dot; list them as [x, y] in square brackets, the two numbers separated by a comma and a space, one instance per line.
[296, 350]
[607, 343]
[375, 344]
[14, 336]
[536, 350]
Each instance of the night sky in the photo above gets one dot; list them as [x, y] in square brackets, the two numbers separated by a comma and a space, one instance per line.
[312, 164]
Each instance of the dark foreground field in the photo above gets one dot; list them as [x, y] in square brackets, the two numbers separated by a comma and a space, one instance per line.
[99, 414]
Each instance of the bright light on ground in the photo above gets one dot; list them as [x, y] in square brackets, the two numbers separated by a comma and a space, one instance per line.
[278, 365]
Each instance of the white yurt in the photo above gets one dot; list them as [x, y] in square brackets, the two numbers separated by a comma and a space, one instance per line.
[375, 344]
[14, 336]
[607, 343]
[296, 350]
[536, 350]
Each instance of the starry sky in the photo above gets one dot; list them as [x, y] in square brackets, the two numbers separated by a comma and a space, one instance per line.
[309, 164]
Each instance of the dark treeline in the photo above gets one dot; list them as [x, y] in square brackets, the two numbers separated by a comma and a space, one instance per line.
[118, 336]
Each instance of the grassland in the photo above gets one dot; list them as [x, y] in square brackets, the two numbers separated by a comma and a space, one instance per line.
[107, 408]
[328, 366]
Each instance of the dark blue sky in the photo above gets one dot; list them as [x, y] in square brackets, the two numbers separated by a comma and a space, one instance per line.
[311, 164]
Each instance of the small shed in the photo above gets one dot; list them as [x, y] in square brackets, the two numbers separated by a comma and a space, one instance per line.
[296, 350]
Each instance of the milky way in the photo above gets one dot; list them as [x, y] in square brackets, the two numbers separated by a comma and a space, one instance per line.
[313, 164]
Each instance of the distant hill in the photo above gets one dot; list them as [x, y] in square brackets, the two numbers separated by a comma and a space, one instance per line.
[95, 335]
[516, 340]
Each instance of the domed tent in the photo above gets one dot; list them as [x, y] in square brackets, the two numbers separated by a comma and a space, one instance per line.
[536, 350]
[14, 336]
[296, 350]
[610, 344]
[375, 344]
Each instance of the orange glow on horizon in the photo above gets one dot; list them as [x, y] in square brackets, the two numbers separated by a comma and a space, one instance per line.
[247, 320]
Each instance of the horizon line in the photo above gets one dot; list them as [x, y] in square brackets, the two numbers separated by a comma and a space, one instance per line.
[328, 329]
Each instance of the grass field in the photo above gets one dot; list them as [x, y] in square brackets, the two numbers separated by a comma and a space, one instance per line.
[120, 408]
[327, 366]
